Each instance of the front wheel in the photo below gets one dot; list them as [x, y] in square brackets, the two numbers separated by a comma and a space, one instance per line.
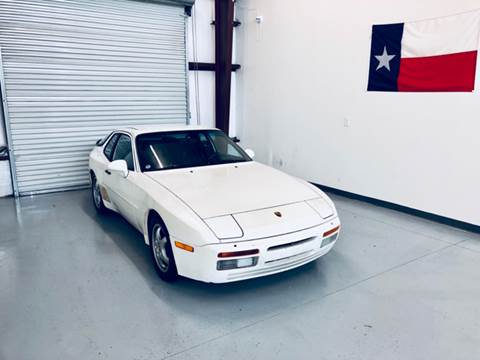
[161, 250]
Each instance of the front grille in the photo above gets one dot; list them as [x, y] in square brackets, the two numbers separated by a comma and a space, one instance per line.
[290, 244]
[273, 268]
[288, 257]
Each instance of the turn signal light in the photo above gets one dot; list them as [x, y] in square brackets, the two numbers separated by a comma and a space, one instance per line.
[183, 246]
[238, 253]
[330, 232]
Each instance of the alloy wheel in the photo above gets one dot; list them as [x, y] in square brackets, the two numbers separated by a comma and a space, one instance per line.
[160, 242]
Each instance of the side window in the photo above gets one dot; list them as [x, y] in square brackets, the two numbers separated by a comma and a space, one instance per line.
[108, 150]
[123, 150]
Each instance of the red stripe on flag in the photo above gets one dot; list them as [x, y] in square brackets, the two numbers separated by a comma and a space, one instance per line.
[452, 72]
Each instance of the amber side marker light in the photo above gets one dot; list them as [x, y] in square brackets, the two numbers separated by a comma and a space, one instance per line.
[238, 253]
[332, 231]
[183, 246]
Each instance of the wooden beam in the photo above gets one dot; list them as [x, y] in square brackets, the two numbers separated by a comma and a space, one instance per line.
[200, 66]
[223, 62]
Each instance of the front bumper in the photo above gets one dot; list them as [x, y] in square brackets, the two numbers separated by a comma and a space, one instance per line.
[276, 254]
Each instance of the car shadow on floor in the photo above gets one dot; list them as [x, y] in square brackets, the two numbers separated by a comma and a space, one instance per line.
[297, 285]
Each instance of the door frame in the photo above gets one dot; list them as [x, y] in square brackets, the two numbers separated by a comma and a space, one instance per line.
[8, 133]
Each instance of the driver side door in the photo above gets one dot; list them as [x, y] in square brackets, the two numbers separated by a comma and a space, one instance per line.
[117, 185]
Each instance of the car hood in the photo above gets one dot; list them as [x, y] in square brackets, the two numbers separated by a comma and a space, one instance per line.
[218, 190]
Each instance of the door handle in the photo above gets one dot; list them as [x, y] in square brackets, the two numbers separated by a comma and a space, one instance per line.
[108, 172]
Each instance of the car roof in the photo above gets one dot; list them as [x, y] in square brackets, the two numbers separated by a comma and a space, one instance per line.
[145, 129]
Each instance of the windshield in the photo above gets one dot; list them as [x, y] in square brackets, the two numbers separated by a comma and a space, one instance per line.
[190, 148]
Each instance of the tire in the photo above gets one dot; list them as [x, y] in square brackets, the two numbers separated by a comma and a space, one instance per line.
[161, 250]
[97, 197]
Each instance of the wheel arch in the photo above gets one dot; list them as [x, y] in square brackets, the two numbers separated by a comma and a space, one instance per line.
[92, 175]
[150, 215]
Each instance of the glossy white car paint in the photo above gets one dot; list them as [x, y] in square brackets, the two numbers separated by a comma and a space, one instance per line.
[221, 208]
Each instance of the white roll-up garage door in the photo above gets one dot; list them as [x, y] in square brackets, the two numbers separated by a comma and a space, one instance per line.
[73, 70]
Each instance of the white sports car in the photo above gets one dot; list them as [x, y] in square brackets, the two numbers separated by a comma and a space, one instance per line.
[207, 211]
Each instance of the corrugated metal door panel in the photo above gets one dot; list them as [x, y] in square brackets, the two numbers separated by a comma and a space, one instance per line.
[76, 69]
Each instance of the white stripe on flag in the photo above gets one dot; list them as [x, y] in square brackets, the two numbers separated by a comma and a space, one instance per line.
[441, 36]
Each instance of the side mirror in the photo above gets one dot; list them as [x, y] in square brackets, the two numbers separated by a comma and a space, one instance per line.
[119, 166]
[250, 153]
[99, 142]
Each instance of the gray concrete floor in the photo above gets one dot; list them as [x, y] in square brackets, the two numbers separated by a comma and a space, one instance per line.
[74, 285]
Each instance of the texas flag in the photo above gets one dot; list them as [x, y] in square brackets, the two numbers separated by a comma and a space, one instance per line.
[429, 55]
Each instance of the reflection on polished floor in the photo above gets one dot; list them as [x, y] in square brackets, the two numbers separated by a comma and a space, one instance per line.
[75, 285]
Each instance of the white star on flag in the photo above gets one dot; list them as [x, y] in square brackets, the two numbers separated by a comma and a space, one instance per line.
[384, 59]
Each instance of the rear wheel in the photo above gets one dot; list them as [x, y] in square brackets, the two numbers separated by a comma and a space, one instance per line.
[97, 196]
[161, 250]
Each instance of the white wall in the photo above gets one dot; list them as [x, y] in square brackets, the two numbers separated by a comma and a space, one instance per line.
[5, 179]
[3, 138]
[304, 77]
[202, 83]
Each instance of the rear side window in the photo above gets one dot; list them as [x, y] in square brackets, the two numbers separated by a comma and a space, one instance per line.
[108, 151]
